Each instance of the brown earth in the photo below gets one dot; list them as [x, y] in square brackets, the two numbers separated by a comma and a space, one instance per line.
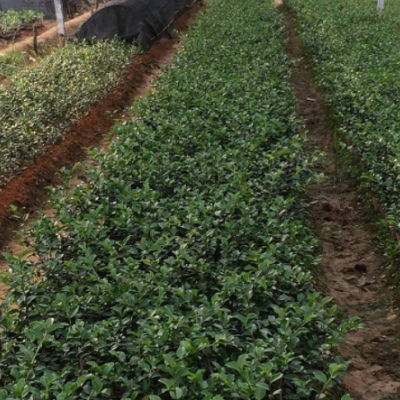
[27, 32]
[351, 267]
[27, 190]
[48, 38]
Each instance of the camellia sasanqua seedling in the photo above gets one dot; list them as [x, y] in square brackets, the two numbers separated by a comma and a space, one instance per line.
[181, 268]
[40, 103]
[11, 21]
[356, 49]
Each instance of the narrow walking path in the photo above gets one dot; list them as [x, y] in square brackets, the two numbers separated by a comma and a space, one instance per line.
[351, 266]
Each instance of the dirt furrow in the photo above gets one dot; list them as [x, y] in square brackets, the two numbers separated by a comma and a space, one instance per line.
[351, 267]
[28, 189]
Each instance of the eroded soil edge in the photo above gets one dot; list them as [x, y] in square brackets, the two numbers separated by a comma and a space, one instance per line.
[351, 266]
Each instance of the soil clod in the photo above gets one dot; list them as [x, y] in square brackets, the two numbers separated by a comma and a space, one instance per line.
[361, 268]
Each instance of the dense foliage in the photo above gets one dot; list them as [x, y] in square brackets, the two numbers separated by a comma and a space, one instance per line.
[357, 56]
[11, 63]
[12, 21]
[181, 267]
[39, 103]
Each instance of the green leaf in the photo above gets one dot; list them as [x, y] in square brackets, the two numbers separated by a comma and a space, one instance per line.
[275, 377]
[108, 368]
[233, 365]
[169, 359]
[167, 382]
[181, 352]
[73, 311]
[178, 393]
[242, 360]
[19, 387]
[97, 384]
[320, 376]
[261, 390]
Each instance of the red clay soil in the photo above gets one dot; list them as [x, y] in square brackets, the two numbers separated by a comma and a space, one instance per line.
[28, 189]
[351, 266]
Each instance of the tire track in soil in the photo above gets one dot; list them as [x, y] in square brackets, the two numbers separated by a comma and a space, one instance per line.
[27, 190]
[350, 269]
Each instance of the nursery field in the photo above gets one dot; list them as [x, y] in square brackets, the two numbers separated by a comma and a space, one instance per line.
[181, 268]
[349, 52]
[12, 22]
[357, 52]
[195, 259]
[41, 102]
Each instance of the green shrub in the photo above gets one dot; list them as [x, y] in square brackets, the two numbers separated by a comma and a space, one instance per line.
[181, 268]
[11, 63]
[356, 49]
[12, 21]
[39, 103]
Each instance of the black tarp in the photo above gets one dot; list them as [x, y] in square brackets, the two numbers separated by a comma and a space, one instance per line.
[140, 21]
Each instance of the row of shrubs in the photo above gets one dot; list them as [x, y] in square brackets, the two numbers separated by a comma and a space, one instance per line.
[39, 103]
[12, 21]
[181, 267]
[356, 49]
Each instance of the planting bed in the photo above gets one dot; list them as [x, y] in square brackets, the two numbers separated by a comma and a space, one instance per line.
[357, 52]
[351, 267]
[13, 22]
[40, 103]
[181, 268]
[27, 189]
[18, 54]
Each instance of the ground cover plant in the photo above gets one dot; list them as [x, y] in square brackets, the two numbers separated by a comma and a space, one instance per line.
[39, 103]
[181, 268]
[10, 63]
[12, 21]
[356, 49]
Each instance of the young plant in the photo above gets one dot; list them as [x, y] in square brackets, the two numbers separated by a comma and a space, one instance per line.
[181, 268]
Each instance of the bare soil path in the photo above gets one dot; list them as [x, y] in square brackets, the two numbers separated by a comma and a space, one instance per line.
[23, 34]
[47, 39]
[27, 190]
[351, 267]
